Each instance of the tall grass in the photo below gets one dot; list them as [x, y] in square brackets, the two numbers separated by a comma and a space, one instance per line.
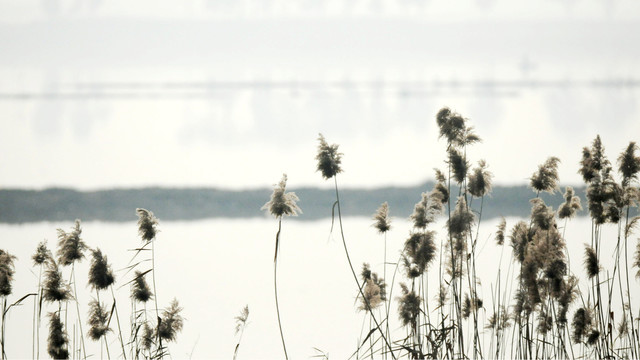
[55, 290]
[540, 303]
[531, 312]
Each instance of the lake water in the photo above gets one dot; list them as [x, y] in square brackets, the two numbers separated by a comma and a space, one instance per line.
[216, 267]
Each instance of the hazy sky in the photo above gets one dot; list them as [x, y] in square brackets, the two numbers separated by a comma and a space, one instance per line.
[98, 94]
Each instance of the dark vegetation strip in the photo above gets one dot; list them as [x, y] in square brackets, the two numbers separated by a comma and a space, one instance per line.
[56, 204]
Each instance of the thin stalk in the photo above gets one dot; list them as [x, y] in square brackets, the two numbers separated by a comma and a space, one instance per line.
[275, 285]
[634, 348]
[4, 313]
[115, 305]
[155, 292]
[344, 242]
[75, 294]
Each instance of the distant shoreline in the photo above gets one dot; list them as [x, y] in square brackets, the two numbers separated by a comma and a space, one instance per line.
[118, 205]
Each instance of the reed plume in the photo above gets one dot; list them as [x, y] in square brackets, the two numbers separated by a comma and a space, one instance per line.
[409, 307]
[591, 262]
[140, 290]
[282, 203]
[382, 219]
[571, 204]
[427, 209]
[148, 337]
[629, 164]
[329, 159]
[58, 339]
[581, 324]
[71, 247]
[42, 254]
[147, 224]
[542, 215]
[241, 324]
[502, 227]
[372, 298]
[459, 165]
[420, 249]
[441, 187]
[171, 323]
[459, 224]
[480, 180]
[546, 178]
[7, 270]
[453, 128]
[98, 320]
[100, 273]
[55, 288]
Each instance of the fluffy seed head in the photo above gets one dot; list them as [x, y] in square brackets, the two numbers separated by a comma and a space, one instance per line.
[171, 323]
[459, 165]
[546, 178]
[591, 262]
[426, 211]
[329, 159]
[542, 215]
[371, 293]
[629, 164]
[571, 204]
[409, 307]
[55, 288]
[383, 221]
[461, 218]
[57, 341]
[100, 273]
[241, 320]
[282, 203]
[480, 180]
[147, 224]
[140, 290]
[42, 254]
[502, 227]
[148, 336]
[7, 269]
[71, 247]
[98, 318]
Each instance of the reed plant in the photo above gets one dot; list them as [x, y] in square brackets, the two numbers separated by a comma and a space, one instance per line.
[281, 204]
